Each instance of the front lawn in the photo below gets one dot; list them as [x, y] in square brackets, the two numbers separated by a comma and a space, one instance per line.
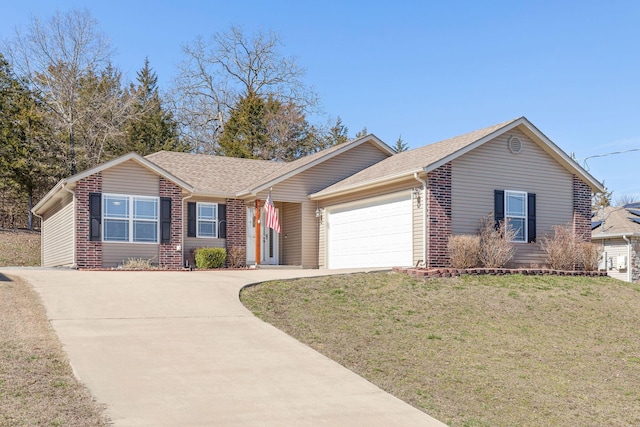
[476, 350]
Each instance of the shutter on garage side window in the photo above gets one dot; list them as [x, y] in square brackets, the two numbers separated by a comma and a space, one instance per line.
[95, 216]
[222, 221]
[191, 219]
[531, 217]
[498, 206]
[165, 220]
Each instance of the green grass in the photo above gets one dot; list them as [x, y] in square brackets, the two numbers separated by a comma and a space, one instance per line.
[476, 350]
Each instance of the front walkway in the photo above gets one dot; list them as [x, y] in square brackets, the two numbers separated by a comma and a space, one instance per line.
[179, 349]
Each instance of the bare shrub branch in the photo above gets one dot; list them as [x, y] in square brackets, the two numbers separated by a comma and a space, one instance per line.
[464, 250]
[496, 243]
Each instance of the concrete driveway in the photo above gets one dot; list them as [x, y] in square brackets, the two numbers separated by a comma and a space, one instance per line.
[179, 349]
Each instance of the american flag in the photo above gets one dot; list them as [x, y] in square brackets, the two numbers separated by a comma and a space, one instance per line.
[271, 214]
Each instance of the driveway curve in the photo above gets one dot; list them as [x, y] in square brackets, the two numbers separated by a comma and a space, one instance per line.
[179, 349]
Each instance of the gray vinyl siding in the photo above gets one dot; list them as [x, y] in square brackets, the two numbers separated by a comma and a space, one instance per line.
[291, 222]
[297, 188]
[130, 178]
[191, 243]
[58, 234]
[476, 174]
[618, 247]
[116, 253]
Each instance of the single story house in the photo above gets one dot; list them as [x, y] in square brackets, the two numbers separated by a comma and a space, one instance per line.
[356, 204]
[617, 229]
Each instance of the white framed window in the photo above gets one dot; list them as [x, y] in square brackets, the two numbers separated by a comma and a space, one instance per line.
[207, 220]
[131, 219]
[515, 203]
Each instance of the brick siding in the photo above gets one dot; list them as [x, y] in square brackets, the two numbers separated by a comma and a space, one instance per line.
[236, 223]
[438, 216]
[581, 209]
[169, 255]
[88, 253]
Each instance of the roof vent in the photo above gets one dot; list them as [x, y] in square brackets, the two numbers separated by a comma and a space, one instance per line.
[515, 145]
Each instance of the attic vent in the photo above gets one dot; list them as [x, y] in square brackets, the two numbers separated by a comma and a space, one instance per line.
[515, 145]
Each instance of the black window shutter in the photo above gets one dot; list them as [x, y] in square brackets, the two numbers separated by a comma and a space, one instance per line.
[222, 221]
[498, 206]
[191, 219]
[531, 217]
[95, 216]
[165, 220]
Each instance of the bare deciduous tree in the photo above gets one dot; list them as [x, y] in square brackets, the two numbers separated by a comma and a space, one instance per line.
[217, 72]
[54, 56]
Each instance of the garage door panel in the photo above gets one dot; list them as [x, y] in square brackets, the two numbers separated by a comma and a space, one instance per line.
[373, 234]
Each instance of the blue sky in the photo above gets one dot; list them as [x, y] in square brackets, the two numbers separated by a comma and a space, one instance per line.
[428, 70]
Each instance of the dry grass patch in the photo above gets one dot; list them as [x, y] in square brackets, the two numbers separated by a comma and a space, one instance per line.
[37, 386]
[19, 248]
[476, 350]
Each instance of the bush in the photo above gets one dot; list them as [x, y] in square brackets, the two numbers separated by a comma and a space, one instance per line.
[589, 255]
[210, 257]
[464, 250]
[496, 243]
[236, 257]
[138, 264]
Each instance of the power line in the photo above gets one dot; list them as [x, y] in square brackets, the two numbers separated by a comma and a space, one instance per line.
[586, 165]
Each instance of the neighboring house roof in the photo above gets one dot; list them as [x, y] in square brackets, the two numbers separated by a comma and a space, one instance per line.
[618, 221]
[432, 156]
[59, 189]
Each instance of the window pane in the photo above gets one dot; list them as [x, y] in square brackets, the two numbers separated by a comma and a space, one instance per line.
[207, 211]
[116, 207]
[206, 229]
[116, 230]
[145, 231]
[518, 225]
[145, 209]
[515, 204]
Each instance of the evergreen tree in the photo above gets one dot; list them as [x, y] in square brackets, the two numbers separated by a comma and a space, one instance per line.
[151, 127]
[24, 150]
[363, 132]
[400, 145]
[337, 134]
[244, 133]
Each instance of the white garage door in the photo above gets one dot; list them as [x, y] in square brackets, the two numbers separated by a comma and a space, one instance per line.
[376, 233]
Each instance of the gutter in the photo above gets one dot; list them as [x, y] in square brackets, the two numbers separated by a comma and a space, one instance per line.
[41, 245]
[424, 217]
[73, 195]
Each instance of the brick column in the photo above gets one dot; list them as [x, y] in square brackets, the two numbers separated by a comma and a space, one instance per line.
[236, 223]
[438, 216]
[88, 253]
[581, 209]
[169, 255]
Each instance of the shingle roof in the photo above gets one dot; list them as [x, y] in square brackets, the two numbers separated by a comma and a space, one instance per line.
[617, 220]
[410, 161]
[216, 175]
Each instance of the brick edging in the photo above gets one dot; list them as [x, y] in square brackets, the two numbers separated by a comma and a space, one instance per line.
[455, 272]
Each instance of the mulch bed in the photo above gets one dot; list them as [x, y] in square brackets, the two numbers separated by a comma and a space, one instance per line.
[454, 272]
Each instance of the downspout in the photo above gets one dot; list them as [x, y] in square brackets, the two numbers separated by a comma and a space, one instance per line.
[182, 228]
[424, 217]
[41, 245]
[629, 269]
[73, 194]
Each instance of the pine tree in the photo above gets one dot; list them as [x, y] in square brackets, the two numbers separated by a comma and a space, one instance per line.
[400, 145]
[151, 127]
[244, 133]
[363, 132]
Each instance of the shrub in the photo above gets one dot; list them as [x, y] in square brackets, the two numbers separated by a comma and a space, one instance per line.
[210, 257]
[566, 251]
[464, 250]
[236, 257]
[589, 255]
[138, 264]
[496, 245]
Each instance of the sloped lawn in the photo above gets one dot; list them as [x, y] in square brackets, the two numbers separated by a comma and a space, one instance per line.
[476, 350]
